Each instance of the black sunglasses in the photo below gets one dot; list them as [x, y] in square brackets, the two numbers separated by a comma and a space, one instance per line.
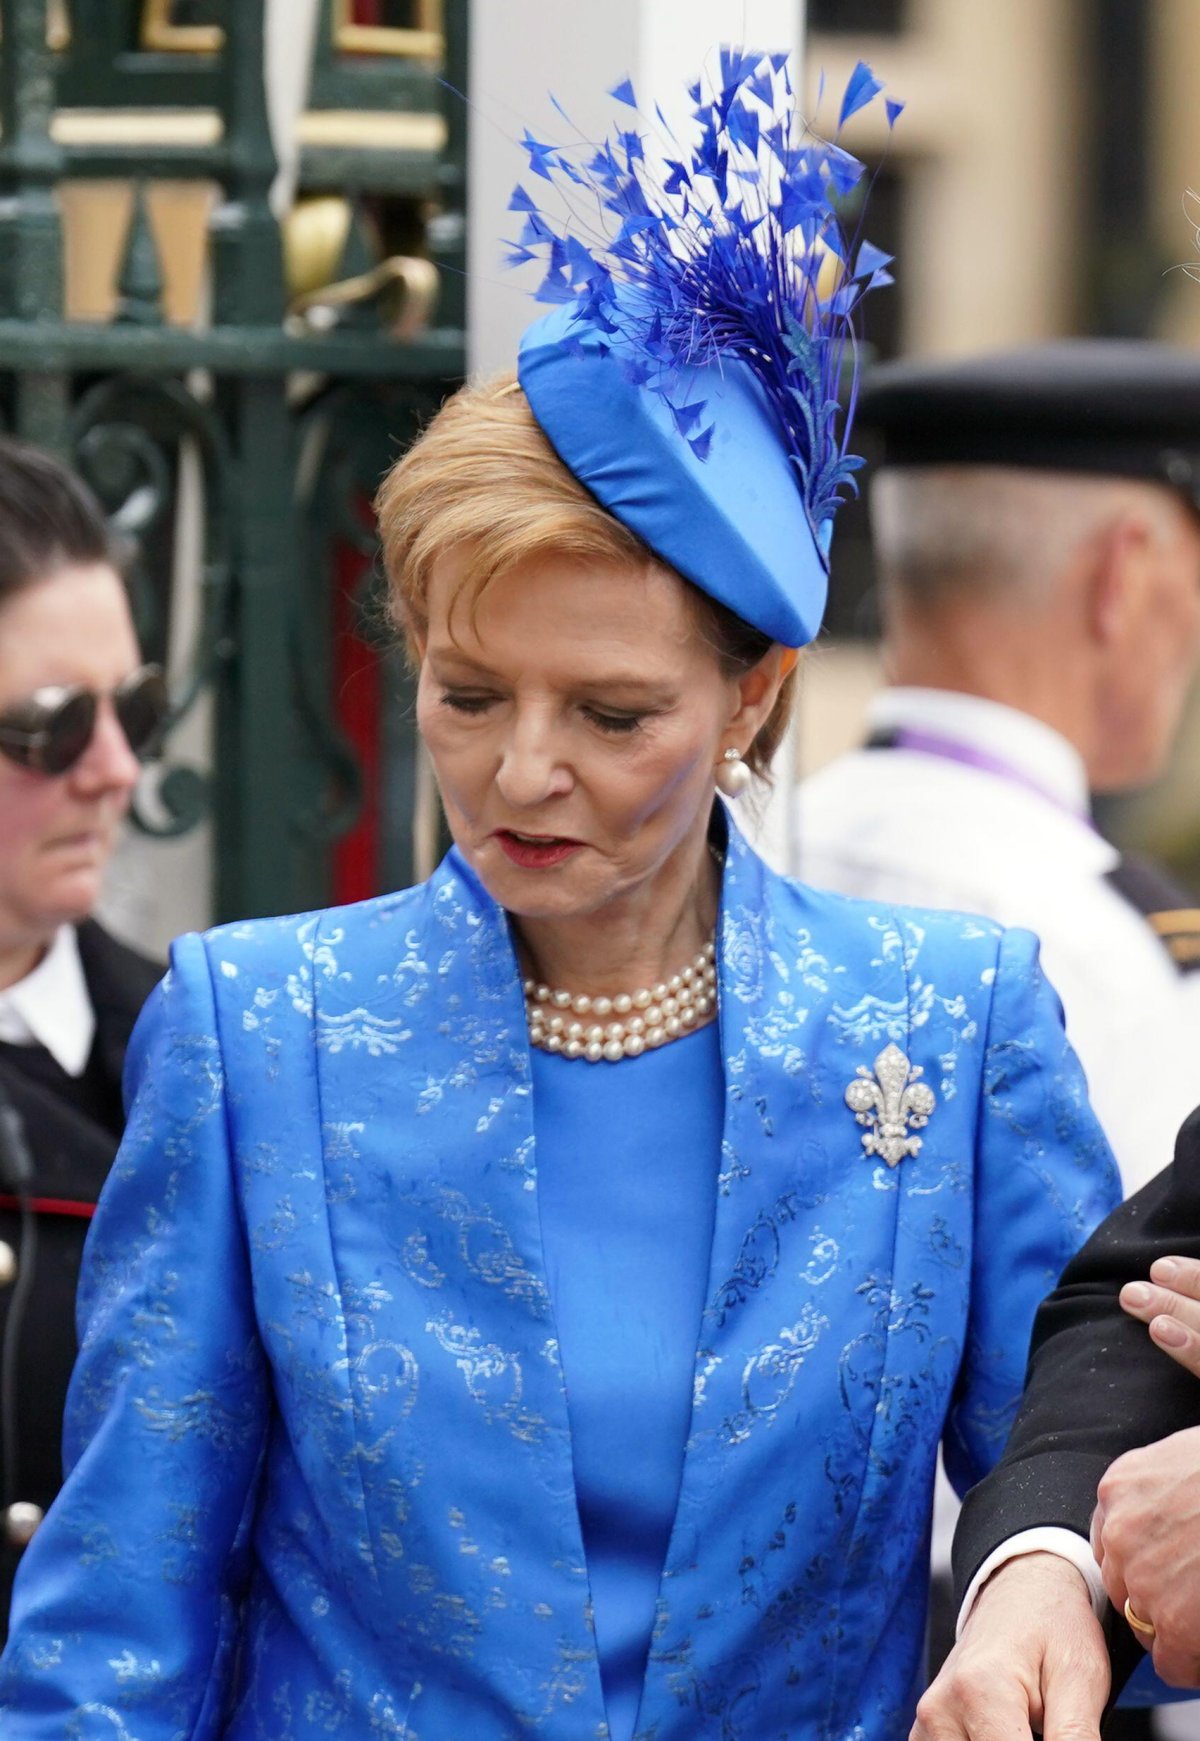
[52, 728]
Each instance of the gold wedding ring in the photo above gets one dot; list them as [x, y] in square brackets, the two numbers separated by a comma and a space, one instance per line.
[1144, 1627]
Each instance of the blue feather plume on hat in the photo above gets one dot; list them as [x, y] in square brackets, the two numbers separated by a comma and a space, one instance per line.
[732, 250]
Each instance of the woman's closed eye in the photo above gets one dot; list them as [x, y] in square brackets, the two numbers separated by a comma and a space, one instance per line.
[473, 702]
[467, 700]
[617, 723]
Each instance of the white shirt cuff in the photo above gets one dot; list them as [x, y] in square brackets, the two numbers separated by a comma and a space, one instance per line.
[1049, 1539]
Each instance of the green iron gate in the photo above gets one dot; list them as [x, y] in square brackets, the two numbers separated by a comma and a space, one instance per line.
[288, 427]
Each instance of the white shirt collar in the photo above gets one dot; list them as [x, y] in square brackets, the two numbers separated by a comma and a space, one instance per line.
[1035, 751]
[50, 1007]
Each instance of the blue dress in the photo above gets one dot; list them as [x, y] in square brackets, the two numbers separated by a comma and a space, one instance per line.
[319, 1445]
[628, 1157]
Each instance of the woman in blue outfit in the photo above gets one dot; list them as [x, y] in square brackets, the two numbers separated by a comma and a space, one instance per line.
[531, 1304]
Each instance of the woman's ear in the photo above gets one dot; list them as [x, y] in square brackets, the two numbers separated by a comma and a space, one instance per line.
[758, 690]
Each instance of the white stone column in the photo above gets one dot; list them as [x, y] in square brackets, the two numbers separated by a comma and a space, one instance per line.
[291, 36]
[525, 51]
[679, 37]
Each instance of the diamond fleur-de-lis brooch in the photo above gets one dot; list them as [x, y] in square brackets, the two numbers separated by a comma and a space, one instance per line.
[892, 1102]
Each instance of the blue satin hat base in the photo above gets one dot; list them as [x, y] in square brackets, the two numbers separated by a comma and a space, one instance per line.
[732, 522]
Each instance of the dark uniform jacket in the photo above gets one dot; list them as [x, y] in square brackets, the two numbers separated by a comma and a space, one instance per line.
[1097, 1386]
[72, 1128]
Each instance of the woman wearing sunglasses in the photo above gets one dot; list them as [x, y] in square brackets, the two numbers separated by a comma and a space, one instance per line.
[76, 707]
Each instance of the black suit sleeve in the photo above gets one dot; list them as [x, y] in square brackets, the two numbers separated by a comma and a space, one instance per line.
[1096, 1385]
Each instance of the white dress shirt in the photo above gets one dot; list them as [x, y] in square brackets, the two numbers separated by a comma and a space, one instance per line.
[50, 1007]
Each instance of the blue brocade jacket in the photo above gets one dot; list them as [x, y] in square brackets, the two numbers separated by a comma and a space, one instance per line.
[321, 1480]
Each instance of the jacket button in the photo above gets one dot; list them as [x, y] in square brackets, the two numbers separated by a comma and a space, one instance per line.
[21, 1522]
[8, 1265]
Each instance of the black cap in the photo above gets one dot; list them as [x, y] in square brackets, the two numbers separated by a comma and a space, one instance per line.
[1124, 407]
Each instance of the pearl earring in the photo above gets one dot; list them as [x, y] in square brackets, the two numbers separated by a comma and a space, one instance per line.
[733, 776]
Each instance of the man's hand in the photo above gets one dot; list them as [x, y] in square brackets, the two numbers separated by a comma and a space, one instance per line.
[1146, 1537]
[1031, 1656]
[1170, 1305]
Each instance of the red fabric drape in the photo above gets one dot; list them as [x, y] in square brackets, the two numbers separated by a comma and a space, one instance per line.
[358, 703]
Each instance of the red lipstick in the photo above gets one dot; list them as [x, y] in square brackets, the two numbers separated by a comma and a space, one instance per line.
[535, 851]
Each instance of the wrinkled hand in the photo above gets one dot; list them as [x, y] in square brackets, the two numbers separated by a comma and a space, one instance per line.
[1170, 1305]
[1146, 1537]
[1031, 1656]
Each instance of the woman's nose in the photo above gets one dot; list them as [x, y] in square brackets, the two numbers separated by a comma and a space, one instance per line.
[108, 764]
[530, 769]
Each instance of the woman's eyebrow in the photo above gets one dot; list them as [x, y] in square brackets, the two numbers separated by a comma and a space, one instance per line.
[450, 656]
[632, 682]
[622, 683]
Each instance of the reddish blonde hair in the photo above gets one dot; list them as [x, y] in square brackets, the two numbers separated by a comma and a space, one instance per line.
[482, 475]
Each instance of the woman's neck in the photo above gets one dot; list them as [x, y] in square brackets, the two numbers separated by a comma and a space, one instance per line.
[632, 942]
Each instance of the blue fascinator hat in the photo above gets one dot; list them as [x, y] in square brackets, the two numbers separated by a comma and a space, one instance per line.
[689, 372]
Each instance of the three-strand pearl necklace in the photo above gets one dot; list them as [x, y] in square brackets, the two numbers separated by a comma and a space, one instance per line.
[624, 1026]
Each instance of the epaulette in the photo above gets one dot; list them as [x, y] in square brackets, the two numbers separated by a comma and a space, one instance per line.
[1169, 911]
[1180, 931]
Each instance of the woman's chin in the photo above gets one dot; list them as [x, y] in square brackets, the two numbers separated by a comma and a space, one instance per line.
[555, 891]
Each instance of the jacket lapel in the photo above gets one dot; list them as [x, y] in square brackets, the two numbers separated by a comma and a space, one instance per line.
[425, 1090]
[788, 1324]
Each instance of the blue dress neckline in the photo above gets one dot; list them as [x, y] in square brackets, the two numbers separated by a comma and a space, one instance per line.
[627, 1163]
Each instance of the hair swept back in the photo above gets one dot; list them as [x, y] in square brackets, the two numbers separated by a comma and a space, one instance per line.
[482, 475]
